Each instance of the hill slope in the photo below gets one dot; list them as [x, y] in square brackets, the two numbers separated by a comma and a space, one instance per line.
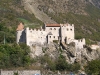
[11, 13]
[85, 14]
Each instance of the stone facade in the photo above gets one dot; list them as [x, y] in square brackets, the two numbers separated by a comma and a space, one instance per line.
[23, 72]
[47, 34]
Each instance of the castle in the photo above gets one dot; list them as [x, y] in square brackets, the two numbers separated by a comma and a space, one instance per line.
[49, 33]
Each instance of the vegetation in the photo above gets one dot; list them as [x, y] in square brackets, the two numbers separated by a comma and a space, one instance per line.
[55, 41]
[13, 13]
[93, 67]
[60, 64]
[13, 55]
[15, 73]
[86, 26]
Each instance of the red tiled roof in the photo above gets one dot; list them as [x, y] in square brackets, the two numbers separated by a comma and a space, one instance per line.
[20, 27]
[52, 25]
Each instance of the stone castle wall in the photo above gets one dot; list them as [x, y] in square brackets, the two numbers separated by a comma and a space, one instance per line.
[62, 32]
[35, 36]
[24, 72]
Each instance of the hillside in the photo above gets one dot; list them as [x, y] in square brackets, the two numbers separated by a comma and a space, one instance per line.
[11, 13]
[85, 14]
[95, 3]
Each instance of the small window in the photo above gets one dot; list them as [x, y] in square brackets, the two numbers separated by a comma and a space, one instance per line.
[71, 29]
[67, 29]
[50, 28]
[50, 36]
[54, 28]
[81, 40]
[54, 36]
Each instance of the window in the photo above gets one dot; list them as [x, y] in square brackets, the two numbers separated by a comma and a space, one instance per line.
[54, 28]
[50, 28]
[54, 36]
[81, 40]
[71, 29]
[50, 36]
[67, 29]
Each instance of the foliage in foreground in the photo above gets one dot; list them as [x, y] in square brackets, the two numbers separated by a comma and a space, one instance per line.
[93, 67]
[60, 64]
[14, 55]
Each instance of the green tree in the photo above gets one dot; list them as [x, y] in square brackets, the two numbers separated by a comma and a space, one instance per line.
[93, 67]
[74, 67]
[14, 55]
[61, 63]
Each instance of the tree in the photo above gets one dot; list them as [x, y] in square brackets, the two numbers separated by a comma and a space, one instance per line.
[61, 63]
[93, 67]
[14, 55]
[74, 67]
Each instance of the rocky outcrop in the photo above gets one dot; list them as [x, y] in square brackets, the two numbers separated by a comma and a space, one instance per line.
[71, 54]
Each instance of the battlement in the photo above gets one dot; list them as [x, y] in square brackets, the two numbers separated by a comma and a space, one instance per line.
[67, 25]
[35, 29]
[49, 33]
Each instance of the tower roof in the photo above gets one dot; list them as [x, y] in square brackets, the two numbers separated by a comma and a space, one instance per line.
[20, 27]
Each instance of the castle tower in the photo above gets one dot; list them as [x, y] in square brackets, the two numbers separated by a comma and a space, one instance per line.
[67, 33]
[19, 31]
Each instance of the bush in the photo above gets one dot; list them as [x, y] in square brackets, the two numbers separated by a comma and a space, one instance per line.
[93, 67]
[55, 41]
[14, 55]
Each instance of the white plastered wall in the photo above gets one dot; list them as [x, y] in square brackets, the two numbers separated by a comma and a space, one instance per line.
[55, 33]
[79, 43]
[67, 31]
[35, 36]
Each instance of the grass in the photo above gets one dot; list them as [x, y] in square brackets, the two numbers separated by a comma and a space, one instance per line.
[10, 18]
[23, 20]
